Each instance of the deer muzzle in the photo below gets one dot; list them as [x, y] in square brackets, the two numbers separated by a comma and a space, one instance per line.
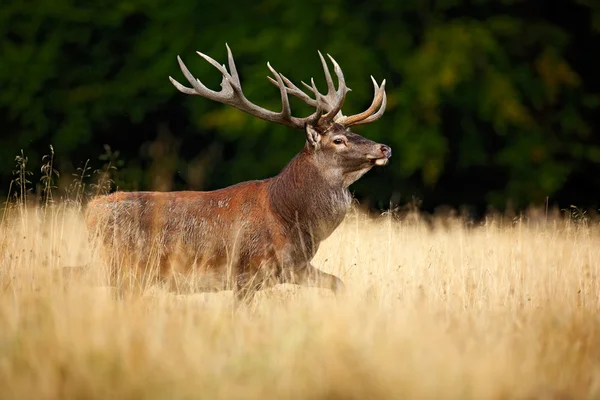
[385, 152]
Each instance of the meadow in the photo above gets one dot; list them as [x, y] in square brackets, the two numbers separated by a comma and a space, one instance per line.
[502, 309]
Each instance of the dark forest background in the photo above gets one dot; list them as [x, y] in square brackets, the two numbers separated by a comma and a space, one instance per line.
[490, 103]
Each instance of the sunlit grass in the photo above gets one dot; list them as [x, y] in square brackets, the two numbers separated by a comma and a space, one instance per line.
[502, 310]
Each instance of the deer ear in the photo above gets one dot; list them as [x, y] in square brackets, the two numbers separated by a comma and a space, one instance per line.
[313, 137]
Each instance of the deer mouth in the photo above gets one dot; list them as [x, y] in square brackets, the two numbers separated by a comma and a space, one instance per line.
[380, 161]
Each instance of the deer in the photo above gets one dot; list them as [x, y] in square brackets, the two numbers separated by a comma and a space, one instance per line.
[254, 234]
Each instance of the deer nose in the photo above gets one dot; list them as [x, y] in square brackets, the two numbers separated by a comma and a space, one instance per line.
[386, 151]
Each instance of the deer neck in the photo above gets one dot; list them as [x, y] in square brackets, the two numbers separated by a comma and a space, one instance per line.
[307, 198]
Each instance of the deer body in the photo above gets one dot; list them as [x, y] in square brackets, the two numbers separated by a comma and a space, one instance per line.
[253, 234]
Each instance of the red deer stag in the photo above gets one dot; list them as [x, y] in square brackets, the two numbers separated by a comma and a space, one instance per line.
[253, 234]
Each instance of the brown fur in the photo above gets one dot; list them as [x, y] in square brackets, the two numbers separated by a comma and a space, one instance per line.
[246, 236]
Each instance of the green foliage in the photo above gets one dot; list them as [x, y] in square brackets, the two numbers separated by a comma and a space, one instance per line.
[472, 86]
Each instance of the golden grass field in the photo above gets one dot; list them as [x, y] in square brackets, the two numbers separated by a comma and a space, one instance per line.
[501, 310]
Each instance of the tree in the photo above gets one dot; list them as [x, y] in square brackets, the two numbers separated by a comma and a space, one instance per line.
[487, 101]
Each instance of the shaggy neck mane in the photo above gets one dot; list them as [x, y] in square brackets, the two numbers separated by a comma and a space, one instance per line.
[303, 197]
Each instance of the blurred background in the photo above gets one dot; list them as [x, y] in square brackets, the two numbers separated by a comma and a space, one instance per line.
[490, 103]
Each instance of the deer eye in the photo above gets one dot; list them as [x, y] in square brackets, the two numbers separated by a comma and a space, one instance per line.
[338, 141]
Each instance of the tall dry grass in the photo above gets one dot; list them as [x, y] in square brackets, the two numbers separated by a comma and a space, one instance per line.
[497, 311]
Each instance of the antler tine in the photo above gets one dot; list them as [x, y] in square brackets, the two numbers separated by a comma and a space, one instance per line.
[340, 94]
[178, 85]
[215, 64]
[377, 115]
[232, 68]
[330, 85]
[313, 88]
[378, 99]
[286, 112]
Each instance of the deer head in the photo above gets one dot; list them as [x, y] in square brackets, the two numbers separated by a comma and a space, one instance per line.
[342, 155]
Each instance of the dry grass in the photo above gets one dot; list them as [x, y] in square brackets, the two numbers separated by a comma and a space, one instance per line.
[490, 312]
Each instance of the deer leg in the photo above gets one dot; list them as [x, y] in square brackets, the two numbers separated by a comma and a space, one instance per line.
[257, 276]
[308, 275]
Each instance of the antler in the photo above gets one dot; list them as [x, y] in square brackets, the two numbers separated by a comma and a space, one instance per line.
[232, 94]
[334, 99]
